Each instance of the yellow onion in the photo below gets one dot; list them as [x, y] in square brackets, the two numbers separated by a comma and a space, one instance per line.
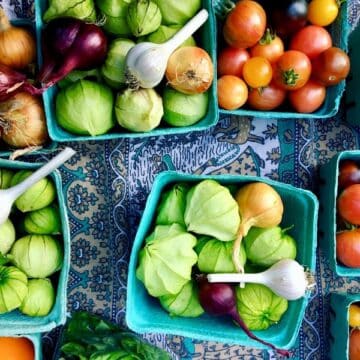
[259, 205]
[17, 45]
[22, 120]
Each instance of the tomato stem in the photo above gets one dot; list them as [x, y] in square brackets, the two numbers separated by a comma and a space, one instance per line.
[267, 38]
[340, 2]
[223, 8]
[290, 77]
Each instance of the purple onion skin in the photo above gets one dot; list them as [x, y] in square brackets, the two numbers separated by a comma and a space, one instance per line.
[220, 299]
[76, 45]
[12, 82]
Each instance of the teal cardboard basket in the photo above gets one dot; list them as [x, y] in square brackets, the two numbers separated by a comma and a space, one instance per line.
[339, 324]
[36, 340]
[207, 37]
[17, 323]
[6, 151]
[327, 217]
[339, 30]
[145, 314]
[353, 81]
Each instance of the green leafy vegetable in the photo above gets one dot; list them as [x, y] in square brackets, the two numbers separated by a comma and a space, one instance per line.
[166, 260]
[75, 75]
[259, 307]
[185, 303]
[183, 109]
[178, 12]
[38, 196]
[84, 10]
[211, 210]
[172, 206]
[216, 256]
[86, 108]
[266, 246]
[88, 337]
[143, 17]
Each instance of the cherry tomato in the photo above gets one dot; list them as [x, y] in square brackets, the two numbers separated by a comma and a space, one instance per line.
[322, 12]
[354, 315]
[232, 92]
[267, 98]
[257, 72]
[354, 344]
[312, 40]
[292, 70]
[348, 204]
[287, 16]
[245, 24]
[270, 47]
[231, 61]
[348, 247]
[331, 66]
[349, 174]
[308, 98]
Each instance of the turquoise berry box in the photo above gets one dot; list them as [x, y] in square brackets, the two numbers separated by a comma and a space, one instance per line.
[339, 324]
[207, 41]
[16, 323]
[145, 314]
[339, 31]
[327, 216]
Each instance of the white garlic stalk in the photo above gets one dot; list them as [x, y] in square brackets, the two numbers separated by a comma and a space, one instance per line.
[287, 278]
[146, 62]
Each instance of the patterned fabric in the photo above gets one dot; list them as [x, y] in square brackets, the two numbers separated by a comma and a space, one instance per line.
[107, 183]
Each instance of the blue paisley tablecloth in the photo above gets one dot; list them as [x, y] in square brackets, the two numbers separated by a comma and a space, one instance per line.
[106, 185]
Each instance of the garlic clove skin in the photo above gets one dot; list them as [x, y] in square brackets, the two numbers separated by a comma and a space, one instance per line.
[286, 278]
[145, 65]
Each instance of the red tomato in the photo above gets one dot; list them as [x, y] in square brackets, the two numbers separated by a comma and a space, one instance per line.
[331, 66]
[292, 70]
[354, 344]
[232, 92]
[312, 40]
[245, 24]
[270, 47]
[231, 61]
[308, 98]
[348, 204]
[349, 174]
[267, 98]
[348, 247]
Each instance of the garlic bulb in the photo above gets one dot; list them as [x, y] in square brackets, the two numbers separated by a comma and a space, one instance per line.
[146, 62]
[287, 278]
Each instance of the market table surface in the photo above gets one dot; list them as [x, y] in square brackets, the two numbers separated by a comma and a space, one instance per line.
[107, 183]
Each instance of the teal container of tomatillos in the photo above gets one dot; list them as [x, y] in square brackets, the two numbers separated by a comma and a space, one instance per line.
[339, 31]
[206, 39]
[339, 324]
[14, 322]
[328, 190]
[144, 312]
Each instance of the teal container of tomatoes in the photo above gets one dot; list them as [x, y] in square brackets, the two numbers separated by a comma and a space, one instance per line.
[352, 84]
[344, 323]
[281, 59]
[340, 212]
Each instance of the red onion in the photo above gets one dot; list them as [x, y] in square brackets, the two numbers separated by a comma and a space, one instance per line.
[220, 299]
[70, 44]
[12, 82]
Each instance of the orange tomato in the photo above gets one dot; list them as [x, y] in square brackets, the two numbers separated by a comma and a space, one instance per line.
[354, 345]
[354, 315]
[16, 348]
[232, 92]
